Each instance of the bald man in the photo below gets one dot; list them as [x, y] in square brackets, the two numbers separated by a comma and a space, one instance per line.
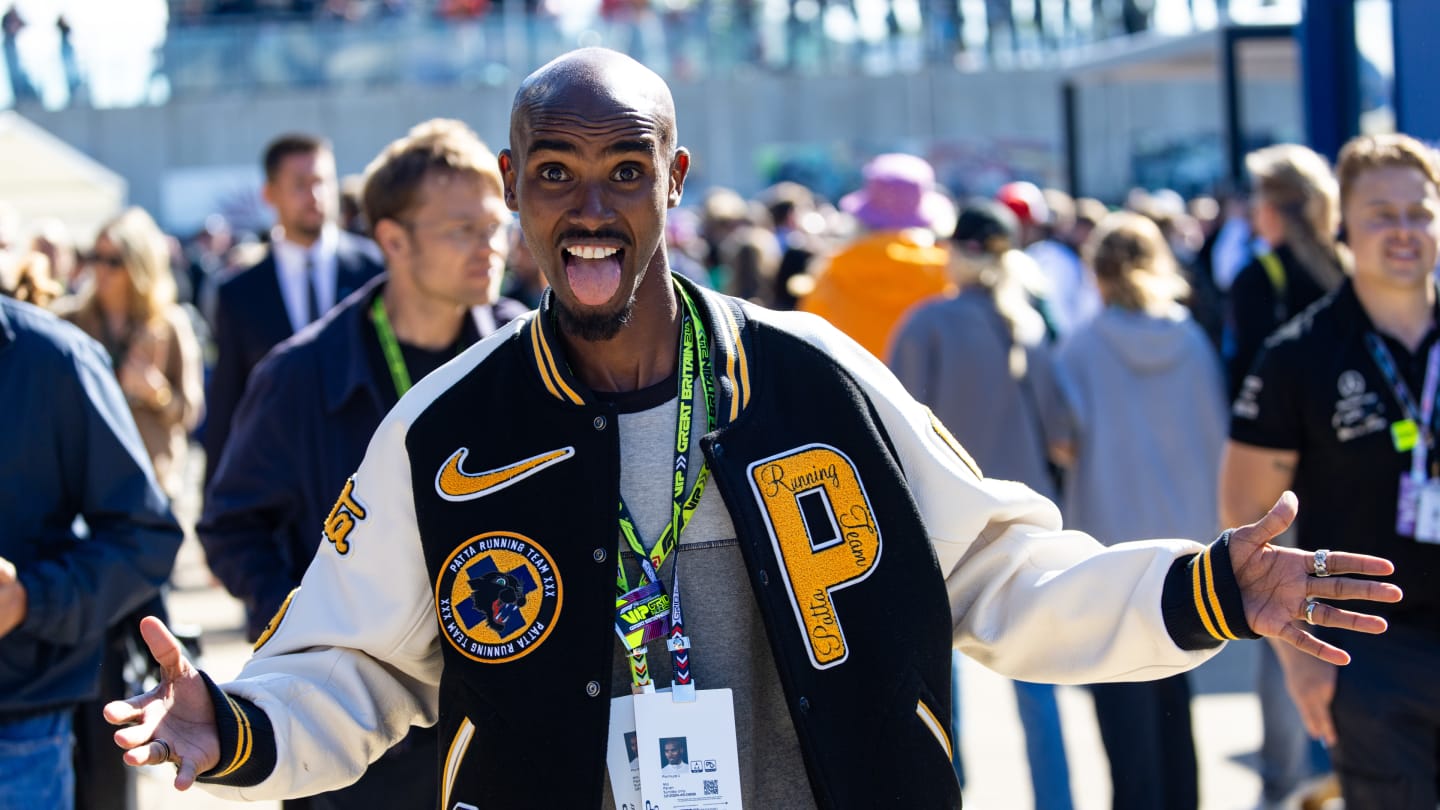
[501, 565]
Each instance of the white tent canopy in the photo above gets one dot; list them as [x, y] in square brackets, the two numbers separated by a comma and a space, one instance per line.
[42, 177]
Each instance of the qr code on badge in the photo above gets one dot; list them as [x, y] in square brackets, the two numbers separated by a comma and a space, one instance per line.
[712, 787]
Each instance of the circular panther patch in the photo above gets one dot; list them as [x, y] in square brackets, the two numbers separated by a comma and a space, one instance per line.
[498, 597]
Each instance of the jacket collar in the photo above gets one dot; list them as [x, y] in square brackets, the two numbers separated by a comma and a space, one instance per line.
[1352, 316]
[342, 338]
[724, 320]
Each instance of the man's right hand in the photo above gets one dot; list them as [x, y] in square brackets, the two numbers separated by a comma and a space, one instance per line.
[178, 712]
[1311, 683]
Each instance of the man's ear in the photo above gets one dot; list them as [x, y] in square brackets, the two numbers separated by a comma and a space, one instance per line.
[507, 174]
[267, 193]
[679, 168]
[392, 238]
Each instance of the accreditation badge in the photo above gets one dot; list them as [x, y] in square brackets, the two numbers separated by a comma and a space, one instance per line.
[688, 758]
[642, 616]
[622, 754]
[1407, 505]
[1427, 513]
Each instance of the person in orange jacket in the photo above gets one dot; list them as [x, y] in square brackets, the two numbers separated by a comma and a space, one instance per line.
[896, 262]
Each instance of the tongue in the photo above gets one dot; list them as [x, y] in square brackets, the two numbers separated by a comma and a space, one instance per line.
[594, 281]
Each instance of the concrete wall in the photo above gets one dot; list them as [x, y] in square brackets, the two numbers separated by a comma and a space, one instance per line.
[971, 123]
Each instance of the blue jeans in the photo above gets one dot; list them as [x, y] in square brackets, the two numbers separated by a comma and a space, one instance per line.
[1044, 743]
[35, 768]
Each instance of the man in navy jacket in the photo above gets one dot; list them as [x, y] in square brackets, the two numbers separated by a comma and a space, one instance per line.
[71, 451]
[307, 415]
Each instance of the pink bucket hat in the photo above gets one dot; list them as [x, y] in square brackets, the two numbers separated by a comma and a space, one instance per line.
[899, 192]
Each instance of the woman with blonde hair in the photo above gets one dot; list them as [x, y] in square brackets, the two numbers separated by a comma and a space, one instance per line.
[1295, 208]
[129, 306]
[1148, 404]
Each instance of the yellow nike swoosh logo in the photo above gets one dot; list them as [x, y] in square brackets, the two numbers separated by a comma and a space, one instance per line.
[454, 484]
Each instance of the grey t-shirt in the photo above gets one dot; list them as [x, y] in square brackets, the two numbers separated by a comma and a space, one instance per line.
[731, 650]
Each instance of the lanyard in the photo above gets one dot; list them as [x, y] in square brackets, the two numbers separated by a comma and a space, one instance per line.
[694, 363]
[1421, 416]
[390, 347]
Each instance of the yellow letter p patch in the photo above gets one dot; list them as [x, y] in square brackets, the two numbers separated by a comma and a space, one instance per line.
[824, 534]
[343, 516]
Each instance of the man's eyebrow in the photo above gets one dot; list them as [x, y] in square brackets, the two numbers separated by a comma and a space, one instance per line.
[625, 147]
[552, 145]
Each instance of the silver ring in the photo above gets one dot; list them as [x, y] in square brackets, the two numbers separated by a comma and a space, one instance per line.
[1310, 611]
[1321, 555]
[166, 746]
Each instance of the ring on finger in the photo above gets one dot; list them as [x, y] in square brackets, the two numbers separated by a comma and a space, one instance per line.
[1310, 605]
[1322, 556]
[165, 746]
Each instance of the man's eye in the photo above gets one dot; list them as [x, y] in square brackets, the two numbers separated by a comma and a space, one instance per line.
[627, 174]
[554, 174]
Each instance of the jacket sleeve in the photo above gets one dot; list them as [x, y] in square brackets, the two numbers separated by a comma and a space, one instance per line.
[131, 537]
[254, 497]
[353, 658]
[1028, 599]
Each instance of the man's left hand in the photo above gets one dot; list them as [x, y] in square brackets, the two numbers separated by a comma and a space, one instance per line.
[1276, 584]
[13, 603]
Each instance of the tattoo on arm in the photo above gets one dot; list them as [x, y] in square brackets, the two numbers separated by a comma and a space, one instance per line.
[1284, 466]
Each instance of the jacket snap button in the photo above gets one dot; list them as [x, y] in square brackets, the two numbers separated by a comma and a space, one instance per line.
[764, 578]
[599, 555]
[716, 450]
[805, 705]
[599, 423]
[592, 688]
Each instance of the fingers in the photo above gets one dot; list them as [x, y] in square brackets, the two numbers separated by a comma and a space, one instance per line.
[1274, 524]
[1344, 562]
[1331, 616]
[124, 712]
[1304, 642]
[164, 647]
[1316, 717]
[151, 753]
[138, 736]
[185, 774]
[1343, 588]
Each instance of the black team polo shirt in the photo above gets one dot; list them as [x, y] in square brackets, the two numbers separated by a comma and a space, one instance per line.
[1316, 389]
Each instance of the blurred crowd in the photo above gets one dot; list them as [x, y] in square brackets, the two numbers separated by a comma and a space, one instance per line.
[204, 45]
[1087, 348]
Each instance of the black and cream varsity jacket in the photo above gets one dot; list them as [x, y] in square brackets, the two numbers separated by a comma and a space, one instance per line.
[466, 577]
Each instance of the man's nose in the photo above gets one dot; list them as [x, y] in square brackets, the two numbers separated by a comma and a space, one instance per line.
[593, 209]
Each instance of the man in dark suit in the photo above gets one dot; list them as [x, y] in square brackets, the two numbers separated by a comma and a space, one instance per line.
[311, 264]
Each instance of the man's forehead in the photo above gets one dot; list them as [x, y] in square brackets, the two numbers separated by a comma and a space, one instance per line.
[593, 89]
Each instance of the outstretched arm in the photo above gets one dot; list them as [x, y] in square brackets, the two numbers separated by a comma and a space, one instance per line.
[1277, 584]
[173, 722]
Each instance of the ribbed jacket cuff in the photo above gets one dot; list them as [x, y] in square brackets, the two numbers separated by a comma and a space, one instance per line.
[1202, 602]
[247, 741]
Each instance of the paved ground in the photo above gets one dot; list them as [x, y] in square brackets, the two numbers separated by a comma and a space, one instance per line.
[1227, 720]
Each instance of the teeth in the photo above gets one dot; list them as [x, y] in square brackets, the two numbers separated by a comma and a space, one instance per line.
[593, 251]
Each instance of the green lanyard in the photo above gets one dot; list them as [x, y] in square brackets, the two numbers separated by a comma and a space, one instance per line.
[694, 363]
[390, 346]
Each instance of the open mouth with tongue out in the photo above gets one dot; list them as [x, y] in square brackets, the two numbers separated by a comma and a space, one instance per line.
[593, 272]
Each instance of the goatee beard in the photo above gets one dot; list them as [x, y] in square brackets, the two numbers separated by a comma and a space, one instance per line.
[597, 326]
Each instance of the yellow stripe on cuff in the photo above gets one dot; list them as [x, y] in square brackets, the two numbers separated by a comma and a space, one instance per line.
[1196, 587]
[1214, 597]
[243, 739]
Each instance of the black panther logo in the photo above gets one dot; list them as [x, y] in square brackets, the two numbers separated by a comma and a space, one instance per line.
[499, 597]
